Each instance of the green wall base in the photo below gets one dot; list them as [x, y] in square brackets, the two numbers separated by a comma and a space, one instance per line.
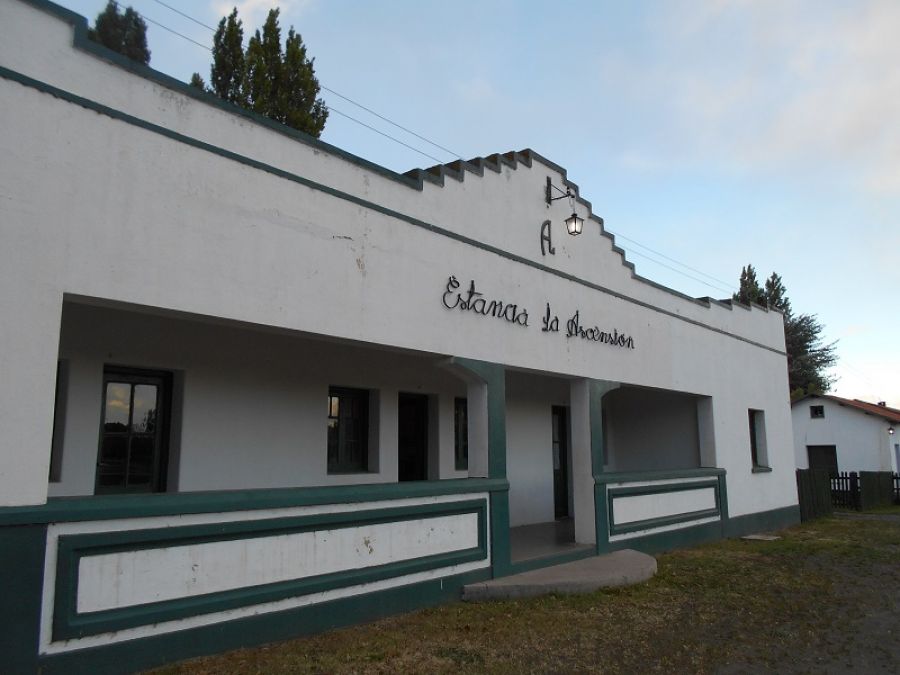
[775, 519]
[140, 654]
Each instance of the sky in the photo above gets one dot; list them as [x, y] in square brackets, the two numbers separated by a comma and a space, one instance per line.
[708, 134]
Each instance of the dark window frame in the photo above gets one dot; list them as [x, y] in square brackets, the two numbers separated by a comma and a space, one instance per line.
[461, 433]
[59, 420]
[160, 462]
[758, 446]
[342, 457]
[816, 412]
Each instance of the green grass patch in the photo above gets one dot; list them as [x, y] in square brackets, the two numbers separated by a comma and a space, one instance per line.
[824, 594]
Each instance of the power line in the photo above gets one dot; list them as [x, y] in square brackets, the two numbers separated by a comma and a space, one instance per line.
[676, 270]
[346, 98]
[186, 16]
[332, 109]
[174, 32]
[382, 117]
[677, 262]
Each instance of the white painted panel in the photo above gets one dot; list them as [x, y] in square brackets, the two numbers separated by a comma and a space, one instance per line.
[54, 531]
[636, 508]
[123, 579]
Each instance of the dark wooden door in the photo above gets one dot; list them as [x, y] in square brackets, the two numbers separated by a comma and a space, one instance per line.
[823, 458]
[412, 441]
[560, 443]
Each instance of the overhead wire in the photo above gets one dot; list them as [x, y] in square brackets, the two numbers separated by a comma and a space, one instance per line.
[331, 108]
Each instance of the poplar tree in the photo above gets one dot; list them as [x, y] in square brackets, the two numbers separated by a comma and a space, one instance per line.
[808, 355]
[125, 33]
[277, 83]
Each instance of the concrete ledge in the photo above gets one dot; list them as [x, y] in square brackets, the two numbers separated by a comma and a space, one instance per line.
[621, 568]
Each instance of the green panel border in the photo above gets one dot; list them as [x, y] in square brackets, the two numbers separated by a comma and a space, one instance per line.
[671, 539]
[68, 623]
[667, 474]
[653, 523]
[109, 507]
[149, 652]
[22, 566]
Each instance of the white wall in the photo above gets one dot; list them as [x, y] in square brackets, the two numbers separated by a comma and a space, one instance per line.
[529, 443]
[648, 430]
[254, 403]
[101, 208]
[862, 441]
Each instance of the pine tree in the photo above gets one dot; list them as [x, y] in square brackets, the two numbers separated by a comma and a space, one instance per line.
[278, 84]
[750, 290]
[125, 33]
[808, 356]
[226, 75]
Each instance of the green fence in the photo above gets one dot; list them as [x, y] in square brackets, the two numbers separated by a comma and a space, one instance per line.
[814, 492]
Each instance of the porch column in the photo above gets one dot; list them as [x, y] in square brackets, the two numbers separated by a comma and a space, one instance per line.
[585, 399]
[29, 351]
[486, 404]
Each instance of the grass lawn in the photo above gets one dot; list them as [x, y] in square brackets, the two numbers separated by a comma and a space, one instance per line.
[823, 598]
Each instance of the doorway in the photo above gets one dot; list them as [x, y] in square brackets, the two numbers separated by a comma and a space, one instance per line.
[823, 458]
[412, 437]
[560, 444]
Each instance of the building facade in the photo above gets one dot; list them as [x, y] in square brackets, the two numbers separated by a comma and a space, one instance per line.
[254, 386]
[838, 434]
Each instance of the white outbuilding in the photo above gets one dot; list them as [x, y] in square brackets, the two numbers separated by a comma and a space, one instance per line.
[839, 434]
[254, 386]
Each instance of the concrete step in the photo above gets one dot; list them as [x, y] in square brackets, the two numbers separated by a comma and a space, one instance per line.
[621, 568]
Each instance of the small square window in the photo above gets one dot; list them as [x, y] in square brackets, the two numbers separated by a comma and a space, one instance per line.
[348, 430]
[461, 433]
[817, 411]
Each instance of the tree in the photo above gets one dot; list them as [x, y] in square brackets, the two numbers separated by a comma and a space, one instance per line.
[125, 33]
[277, 83]
[808, 356]
[750, 290]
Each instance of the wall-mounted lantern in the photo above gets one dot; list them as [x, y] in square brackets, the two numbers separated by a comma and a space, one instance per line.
[891, 430]
[574, 224]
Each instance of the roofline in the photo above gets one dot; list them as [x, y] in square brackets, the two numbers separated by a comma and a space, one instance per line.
[892, 415]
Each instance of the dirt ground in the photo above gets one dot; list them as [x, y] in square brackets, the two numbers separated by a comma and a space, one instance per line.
[824, 598]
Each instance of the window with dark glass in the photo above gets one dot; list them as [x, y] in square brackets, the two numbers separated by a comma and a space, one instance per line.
[816, 411]
[758, 448]
[461, 433]
[59, 421]
[348, 430]
[133, 440]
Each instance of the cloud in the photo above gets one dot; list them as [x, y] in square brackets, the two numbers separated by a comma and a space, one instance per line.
[253, 12]
[777, 86]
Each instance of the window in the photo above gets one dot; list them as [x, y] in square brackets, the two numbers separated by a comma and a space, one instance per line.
[817, 411]
[59, 421]
[348, 430]
[461, 433]
[133, 454]
[758, 449]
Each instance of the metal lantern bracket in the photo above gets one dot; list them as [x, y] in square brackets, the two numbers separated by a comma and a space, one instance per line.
[562, 195]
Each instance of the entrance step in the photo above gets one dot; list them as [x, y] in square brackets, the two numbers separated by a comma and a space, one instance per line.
[621, 568]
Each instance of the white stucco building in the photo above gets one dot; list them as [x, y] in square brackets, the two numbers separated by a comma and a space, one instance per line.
[254, 386]
[840, 434]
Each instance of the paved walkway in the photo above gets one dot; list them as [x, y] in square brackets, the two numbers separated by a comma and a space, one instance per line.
[621, 568]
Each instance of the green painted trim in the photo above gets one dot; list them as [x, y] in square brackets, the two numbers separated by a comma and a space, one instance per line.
[668, 474]
[110, 507]
[494, 377]
[144, 653]
[663, 521]
[761, 469]
[372, 206]
[22, 567]
[751, 523]
[671, 539]
[602, 515]
[68, 623]
[549, 561]
[500, 546]
[723, 500]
